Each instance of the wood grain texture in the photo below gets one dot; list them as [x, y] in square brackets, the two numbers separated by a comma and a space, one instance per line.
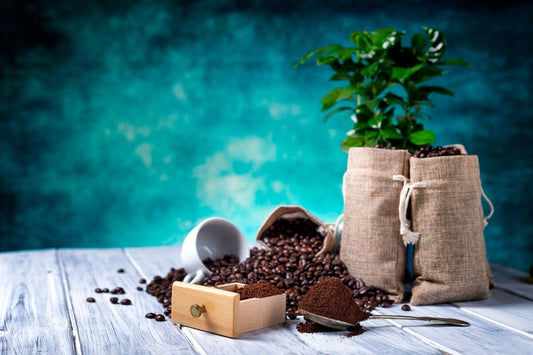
[33, 312]
[512, 280]
[482, 337]
[272, 340]
[104, 327]
[504, 309]
[285, 338]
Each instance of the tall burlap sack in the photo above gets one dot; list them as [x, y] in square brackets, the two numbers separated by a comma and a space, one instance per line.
[371, 245]
[288, 212]
[450, 259]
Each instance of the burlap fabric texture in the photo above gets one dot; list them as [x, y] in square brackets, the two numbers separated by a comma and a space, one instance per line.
[372, 247]
[450, 261]
[288, 212]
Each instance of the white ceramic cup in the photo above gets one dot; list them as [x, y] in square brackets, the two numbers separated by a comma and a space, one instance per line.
[212, 238]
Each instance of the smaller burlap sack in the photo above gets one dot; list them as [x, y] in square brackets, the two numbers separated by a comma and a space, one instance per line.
[371, 246]
[326, 229]
[450, 259]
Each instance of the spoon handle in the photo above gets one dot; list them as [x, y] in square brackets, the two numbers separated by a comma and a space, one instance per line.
[425, 319]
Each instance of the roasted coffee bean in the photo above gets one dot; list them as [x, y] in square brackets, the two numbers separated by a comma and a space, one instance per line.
[105, 290]
[120, 271]
[139, 288]
[291, 314]
[91, 300]
[113, 300]
[430, 151]
[150, 315]
[406, 307]
[125, 302]
[142, 281]
[98, 290]
[160, 318]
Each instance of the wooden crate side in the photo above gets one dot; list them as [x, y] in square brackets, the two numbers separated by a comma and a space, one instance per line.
[258, 313]
[222, 308]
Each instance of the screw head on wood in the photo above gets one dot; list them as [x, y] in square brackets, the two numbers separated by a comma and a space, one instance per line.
[197, 310]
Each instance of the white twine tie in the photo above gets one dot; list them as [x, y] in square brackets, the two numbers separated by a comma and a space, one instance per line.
[485, 219]
[408, 236]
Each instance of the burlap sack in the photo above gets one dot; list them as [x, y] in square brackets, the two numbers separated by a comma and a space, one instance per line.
[371, 245]
[450, 260]
[298, 212]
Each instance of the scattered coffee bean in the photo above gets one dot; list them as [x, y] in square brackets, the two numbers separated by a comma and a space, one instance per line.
[142, 281]
[150, 315]
[160, 318]
[291, 314]
[406, 307]
[139, 288]
[97, 290]
[105, 290]
[91, 300]
[120, 271]
[125, 302]
[118, 291]
[113, 300]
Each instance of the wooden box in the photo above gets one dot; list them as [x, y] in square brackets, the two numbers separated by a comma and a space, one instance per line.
[221, 311]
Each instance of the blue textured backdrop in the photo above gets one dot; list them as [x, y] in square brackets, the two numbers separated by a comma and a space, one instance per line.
[127, 122]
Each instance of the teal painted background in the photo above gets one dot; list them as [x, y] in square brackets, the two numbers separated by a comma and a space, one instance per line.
[125, 123]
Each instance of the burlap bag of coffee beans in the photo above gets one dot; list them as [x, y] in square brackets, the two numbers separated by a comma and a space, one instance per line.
[450, 260]
[288, 212]
[371, 246]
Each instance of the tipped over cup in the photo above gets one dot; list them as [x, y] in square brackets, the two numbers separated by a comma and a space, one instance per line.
[213, 238]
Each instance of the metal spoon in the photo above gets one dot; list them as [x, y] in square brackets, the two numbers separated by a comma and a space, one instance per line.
[337, 324]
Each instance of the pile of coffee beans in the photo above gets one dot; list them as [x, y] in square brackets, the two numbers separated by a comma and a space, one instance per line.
[429, 151]
[161, 287]
[291, 264]
[226, 261]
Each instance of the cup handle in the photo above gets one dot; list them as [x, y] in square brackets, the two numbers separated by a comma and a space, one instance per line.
[194, 277]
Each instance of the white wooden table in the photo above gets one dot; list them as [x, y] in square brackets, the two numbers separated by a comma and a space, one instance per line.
[43, 309]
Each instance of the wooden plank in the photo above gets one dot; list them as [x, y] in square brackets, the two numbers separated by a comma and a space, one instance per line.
[512, 280]
[33, 312]
[381, 336]
[480, 338]
[504, 309]
[104, 327]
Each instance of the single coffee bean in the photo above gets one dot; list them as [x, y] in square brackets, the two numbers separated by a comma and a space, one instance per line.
[139, 288]
[91, 300]
[150, 315]
[160, 318]
[120, 271]
[142, 281]
[105, 290]
[97, 290]
[113, 300]
[406, 307]
[125, 302]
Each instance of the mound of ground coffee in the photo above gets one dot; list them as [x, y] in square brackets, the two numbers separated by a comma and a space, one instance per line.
[332, 299]
[430, 151]
[258, 290]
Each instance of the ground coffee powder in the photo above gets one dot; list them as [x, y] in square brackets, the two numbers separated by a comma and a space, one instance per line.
[332, 299]
[258, 290]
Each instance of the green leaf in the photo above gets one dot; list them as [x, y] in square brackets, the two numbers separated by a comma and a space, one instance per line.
[375, 121]
[337, 95]
[418, 42]
[391, 133]
[435, 89]
[437, 46]
[337, 110]
[403, 73]
[455, 61]
[339, 76]
[371, 70]
[360, 126]
[427, 73]
[422, 137]
[352, 141]
[310, 54]
[363, 113]
[371, 133]
[393, 99]
[379, 37]
[364, 42]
